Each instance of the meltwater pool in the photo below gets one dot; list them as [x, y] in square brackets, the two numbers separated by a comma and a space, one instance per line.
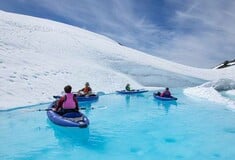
[124, 127]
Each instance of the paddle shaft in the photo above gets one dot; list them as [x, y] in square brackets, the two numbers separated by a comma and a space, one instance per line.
[50, 109]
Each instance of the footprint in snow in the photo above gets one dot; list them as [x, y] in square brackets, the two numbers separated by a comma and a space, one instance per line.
[11, 80]
[12, 76]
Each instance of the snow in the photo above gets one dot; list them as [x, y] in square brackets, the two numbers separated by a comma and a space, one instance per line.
[213, 91]
[221, 84]
[39, 57]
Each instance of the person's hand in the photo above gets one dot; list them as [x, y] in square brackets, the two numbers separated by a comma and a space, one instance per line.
[80, 92]
[53, 109]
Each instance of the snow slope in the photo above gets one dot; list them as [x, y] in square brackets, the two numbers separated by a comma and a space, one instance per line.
[220, 91]
[39, 57]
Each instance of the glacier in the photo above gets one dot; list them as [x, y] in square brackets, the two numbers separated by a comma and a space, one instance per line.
[38, 57]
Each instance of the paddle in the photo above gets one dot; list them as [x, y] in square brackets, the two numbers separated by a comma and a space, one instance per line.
[81, 108]
[98, 94]
[50, 109]
[57, 97]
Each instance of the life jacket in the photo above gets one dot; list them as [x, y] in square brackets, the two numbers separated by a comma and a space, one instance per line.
[69, 102]
[166, 94]
[86, 90]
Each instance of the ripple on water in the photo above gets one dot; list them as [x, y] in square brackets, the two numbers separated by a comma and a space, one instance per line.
[170, 140]
[229, 130]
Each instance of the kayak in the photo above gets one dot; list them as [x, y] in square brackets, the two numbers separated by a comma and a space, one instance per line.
[132, 91]
[87, 98]
[165, 98]
[72, 119]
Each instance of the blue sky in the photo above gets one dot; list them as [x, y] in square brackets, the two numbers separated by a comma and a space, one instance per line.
[192, 32]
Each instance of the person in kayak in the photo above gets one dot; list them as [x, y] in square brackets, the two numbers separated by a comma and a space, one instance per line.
[128, 87]
[166, 93]
[86, 91]
[67, 103]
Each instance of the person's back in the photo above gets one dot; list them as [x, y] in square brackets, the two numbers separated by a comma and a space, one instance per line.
[68, 102]
[166, 93]
[128, 88]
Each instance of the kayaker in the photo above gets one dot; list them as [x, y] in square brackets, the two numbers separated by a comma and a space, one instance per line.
[128, 87]
[86, 91]
[166, 93]
[67, 103]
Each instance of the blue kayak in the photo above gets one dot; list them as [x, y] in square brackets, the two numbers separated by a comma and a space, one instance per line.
[72, 119]
[132, 91]
[87, 98]
[165, 98]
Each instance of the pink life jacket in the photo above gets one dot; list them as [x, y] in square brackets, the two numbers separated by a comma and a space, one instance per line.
[69, 102]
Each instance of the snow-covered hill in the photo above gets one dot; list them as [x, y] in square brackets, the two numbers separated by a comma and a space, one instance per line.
[39, 57]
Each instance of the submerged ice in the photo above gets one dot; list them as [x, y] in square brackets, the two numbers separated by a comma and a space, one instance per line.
[214, 91]
[221, 84]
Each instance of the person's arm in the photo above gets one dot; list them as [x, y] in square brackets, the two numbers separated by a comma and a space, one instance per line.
[90, 90]
[81, 91]
[76, 102]
[60, 103]
[169, 93]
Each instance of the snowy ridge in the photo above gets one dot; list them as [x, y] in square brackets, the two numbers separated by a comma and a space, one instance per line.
[39, 57]
[225, 64]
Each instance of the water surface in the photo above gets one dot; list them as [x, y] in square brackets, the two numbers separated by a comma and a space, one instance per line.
[124, 127]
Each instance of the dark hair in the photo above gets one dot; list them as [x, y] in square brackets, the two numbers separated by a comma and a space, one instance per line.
[167, 88]
[68, 89]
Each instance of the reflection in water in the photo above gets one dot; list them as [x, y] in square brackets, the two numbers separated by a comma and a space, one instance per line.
[87, 106]
[78, 137]
[97, 141]
[129, 96]
[166, 104]
[70, 136]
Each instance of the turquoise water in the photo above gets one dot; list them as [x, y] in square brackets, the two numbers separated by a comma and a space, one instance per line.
[124, 127]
